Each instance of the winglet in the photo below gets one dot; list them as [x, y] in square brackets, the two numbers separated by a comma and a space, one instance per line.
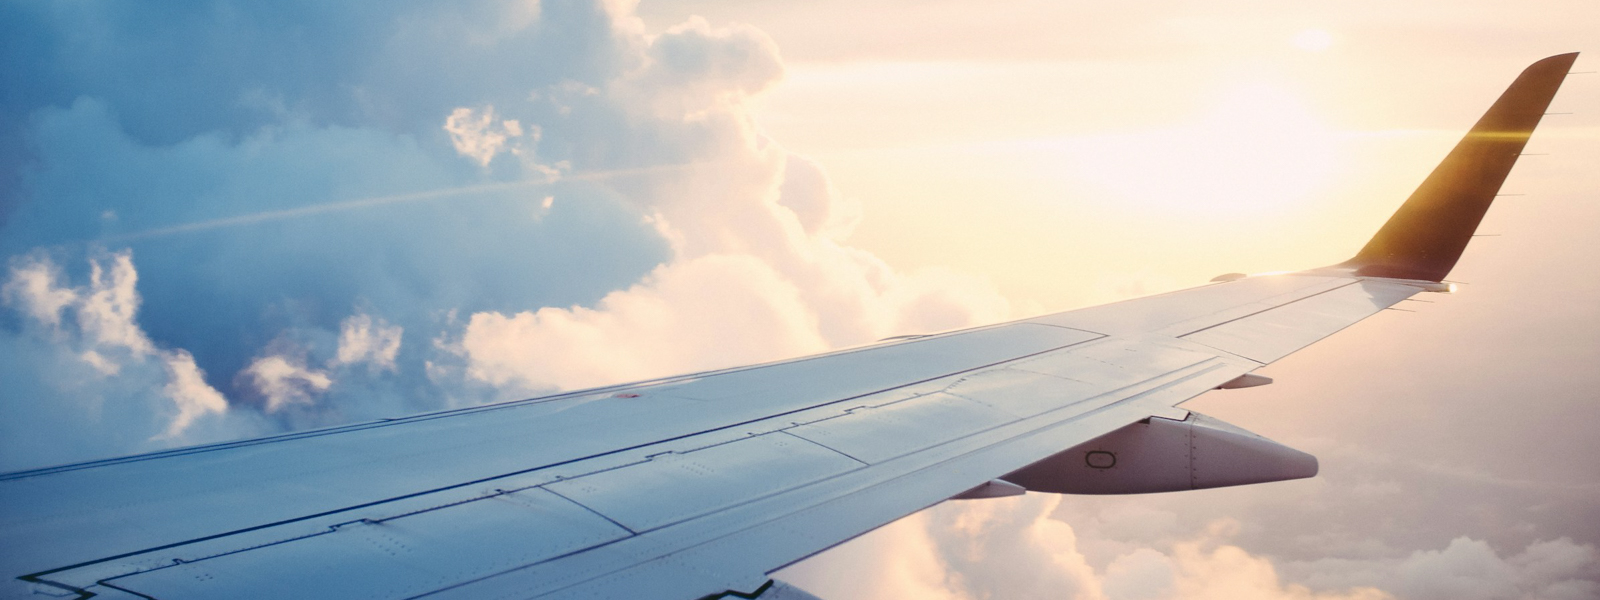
[1425, 237]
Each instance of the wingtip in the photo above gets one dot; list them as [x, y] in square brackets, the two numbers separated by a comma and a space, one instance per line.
[1568, 58]
[1426, 236]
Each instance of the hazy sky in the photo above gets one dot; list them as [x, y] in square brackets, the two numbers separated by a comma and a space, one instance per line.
[224, 219]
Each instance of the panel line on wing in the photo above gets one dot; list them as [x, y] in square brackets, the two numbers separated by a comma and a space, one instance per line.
[1269, 308]
[1165, 388]
[1088, 337]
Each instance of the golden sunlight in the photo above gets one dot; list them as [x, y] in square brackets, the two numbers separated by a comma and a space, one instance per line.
[1313, 40]
[1259, 149]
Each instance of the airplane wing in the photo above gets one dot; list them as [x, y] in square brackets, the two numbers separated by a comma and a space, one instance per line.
[702, 485]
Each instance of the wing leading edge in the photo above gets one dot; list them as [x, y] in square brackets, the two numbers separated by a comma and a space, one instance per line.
[702, 485]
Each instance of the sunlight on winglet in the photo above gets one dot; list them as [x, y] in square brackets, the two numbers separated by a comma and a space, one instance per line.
[1426, 236]
[1501, 135]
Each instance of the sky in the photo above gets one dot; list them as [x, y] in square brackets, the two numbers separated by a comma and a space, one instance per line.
[221, 219]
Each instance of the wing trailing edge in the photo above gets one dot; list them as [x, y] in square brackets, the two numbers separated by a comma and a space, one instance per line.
[1425, 237]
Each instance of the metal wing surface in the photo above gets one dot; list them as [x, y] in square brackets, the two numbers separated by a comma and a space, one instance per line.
[702, 485]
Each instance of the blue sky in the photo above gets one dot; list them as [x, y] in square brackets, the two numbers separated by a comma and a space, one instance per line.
[225, 219]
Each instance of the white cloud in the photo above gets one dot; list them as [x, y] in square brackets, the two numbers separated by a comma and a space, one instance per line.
[188, 389]
[479, 135]
[1205, 570]
[363, 338]
[285, 380]
[1469, 569]
[899, 561]
[32, 287]
[106, 312]
[652, 143]
[97, 324]
[695, 71]
[807, 191]
[696, 314]
[757, 272]
[1015, 548]
[105, 366]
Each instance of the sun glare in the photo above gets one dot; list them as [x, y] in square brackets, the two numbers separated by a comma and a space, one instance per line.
[1259, 149]
[1313, 40]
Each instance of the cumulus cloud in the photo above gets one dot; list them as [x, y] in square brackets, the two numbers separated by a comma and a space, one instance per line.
[285, 380]
[707, 312]
[897, 561]
[188, 390]
[83, 380]
[808, 193]
[1018, 548]
[370, 169]
[103, 311]
[106, 312]
[694, 70]
[33, 289]
[476, 134]
[366, 339]
[1469, 569]
[757, 271]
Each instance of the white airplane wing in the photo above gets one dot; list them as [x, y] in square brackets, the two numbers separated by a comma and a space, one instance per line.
[702, 485]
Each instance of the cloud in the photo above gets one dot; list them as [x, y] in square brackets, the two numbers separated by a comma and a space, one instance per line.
[83, 380]
[364, 338]
[809, 194]
[1469, 569]
[32, 287]
[479, 136]
[756, 272]
[106, 312]
[188, 390]
[642, 225]
[898, 561]
[694, 70]
[1018, 548]
[284, 381]
[708, 312]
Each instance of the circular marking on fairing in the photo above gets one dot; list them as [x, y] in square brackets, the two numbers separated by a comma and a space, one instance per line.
[1100, 459]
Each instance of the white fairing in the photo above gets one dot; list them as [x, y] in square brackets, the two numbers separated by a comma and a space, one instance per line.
[1166, 455]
